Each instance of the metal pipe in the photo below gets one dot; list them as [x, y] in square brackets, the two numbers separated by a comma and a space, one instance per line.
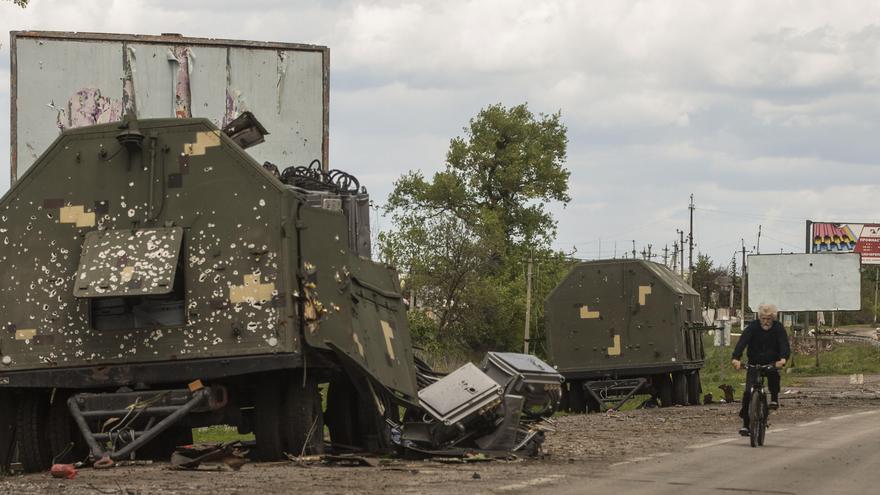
[198, 397]
[148, 411]
[96, 449]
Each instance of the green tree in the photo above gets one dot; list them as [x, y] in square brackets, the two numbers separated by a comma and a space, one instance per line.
[462, 237]
[706, 281]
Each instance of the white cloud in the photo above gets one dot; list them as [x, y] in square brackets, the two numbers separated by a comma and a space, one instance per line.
[765, 109]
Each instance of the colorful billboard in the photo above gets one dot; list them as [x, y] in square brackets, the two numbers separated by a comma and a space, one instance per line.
[862, 238]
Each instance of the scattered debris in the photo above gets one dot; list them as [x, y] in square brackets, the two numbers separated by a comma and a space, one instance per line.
[728, 392]
[190, 457]
[63, 471]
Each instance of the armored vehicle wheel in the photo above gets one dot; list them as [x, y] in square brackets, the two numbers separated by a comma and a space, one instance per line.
[563, 401]
[342, 411]
[679, 388]
[31, 431]
[302, 420]
[663, 386]
[267, 415]
[577, 397]
[8, 406]
[694, 388]
[66, 443]
[593, 405]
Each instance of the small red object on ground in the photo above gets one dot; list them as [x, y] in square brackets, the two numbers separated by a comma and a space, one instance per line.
[66, 471]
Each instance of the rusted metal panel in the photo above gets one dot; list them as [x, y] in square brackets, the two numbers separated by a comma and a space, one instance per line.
[63, 80]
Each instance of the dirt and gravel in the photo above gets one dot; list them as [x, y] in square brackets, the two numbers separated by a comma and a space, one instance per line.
[583, 446]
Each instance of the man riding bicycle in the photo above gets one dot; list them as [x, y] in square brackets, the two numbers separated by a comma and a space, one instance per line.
[768, 344]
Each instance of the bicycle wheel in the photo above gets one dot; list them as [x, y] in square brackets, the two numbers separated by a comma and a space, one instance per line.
[756, 418]
[762, 426]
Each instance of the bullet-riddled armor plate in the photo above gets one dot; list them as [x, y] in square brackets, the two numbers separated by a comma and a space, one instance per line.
[123, 262]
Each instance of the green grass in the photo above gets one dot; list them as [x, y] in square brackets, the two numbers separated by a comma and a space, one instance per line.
[843, 359]
[218, 434]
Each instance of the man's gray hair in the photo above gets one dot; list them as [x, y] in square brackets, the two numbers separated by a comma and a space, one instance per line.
[767, 310]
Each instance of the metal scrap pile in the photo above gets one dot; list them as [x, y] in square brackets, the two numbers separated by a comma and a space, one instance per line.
[503, 406]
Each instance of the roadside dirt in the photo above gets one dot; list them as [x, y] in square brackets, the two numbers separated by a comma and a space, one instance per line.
[582, 446]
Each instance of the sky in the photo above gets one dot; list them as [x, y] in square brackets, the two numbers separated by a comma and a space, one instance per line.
[766, 111]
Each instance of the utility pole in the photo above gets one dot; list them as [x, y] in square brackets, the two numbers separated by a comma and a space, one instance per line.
[758, 247]
[649, 253]
[681, 243]
[634, 249]
[666, 255]
[674, 256]
[876, 282]
[742, 290]
[691, 244]
[528, 304]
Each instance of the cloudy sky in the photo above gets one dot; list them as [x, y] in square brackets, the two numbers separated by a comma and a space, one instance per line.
[767, 112]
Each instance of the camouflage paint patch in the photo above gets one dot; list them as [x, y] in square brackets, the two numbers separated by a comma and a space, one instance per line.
[251, 291]
[357, 342]
[388, 331]
[25, 333]
[204, 140]
[615, 349]
[586, 314]
[644, 291]
[77, 215]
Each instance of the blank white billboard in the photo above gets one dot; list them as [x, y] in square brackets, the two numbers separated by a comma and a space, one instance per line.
[805, 282]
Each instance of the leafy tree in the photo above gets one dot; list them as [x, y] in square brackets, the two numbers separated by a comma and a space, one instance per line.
[462, 237]
[706, 281]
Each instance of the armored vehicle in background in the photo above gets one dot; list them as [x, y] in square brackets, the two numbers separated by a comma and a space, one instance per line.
[615, 328]
[157, 279]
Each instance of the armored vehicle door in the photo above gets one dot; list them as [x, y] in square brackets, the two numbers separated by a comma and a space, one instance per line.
[352, 304]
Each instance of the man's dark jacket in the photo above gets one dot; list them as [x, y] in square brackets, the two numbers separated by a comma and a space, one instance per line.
[765, 346]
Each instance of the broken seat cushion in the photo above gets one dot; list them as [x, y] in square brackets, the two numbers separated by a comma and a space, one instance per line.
[128, 262]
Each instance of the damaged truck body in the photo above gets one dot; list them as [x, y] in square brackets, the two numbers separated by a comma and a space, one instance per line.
[620, 328]
[159, 279]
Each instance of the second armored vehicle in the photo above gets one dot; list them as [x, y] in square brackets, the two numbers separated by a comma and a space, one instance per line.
[625, 325]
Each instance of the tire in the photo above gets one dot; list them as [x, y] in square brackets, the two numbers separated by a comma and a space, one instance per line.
[593, 405]
[30, 427]
[267, 416]
[694, 388]
[663, 386]
[577, 398]
[564, 399]
[8, 416]
[342, 412]
[66, 443]
[302, 419]
[679, 388]
[756, 419]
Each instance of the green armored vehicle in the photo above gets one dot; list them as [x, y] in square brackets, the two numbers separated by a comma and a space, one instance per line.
[157, 279]
[615, 328]
[158, 255]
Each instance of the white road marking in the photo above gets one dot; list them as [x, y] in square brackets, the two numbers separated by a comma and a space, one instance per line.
[621, 463]
[530, 483]
[866, 412]
[711, 444]
[777, 430]
[811, 423]
[836, 418]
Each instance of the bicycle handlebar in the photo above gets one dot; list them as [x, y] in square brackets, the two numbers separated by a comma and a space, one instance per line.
[765, 367]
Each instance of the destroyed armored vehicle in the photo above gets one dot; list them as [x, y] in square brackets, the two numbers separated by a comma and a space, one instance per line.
[157, 279]
[617, 328]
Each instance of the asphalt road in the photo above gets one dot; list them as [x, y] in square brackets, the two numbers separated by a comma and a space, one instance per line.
[838, 455]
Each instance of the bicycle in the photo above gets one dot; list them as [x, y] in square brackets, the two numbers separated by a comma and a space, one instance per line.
[758, 408]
